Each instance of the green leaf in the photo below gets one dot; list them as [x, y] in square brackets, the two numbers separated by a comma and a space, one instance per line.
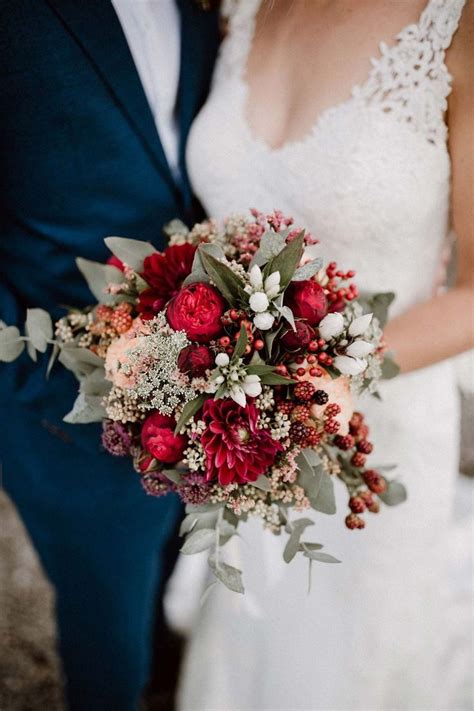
[80, 361]
[98, 276]
[395, 494]
[389, 368]
[262, 483]
[271, 244]
[260, 369]
[39, 328]
[187, 524]
[276, 379]
[199, 541]
[227, 574]
[295, 529]
[317, 484]
[309, 546]
[287, 314]
[94, 383]
[132, 252]
[86, 408]
[312, 457]
[287, 260]
[378, 304]
[226, 281]
[173, 475]
[241, 344]
[189, 410]
[52, 359]
[10, 344]
[198, 273]
[320, 557]
[31, 350]
[308, 270]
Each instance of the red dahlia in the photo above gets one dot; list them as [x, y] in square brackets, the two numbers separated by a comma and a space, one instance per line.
[236, 450]
[164, 273]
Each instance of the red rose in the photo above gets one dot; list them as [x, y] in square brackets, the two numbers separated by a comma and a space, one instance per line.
[307, 300]
[159, 439]
[236, 449]
[164, 273]
[197, 310]
[195, 360]
[299, 339]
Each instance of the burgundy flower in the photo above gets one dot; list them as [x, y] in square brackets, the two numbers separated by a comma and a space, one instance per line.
[307, 300]
[195, 360]
[193, 489]
[157, 484]
[197, 310]
[164, 273]
[299, 339]
[116, 439]
[236, 450]
[159, 439]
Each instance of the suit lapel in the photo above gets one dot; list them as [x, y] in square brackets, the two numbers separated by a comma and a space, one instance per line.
[97, 30]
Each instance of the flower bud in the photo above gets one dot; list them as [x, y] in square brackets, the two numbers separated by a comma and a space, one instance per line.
[252, 385]
[255, 276]
[259, 302]
[264, 321]
[350, 366]
[222, 359]
[272, 285]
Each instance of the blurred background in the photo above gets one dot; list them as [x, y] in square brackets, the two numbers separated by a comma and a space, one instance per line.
[30, 674]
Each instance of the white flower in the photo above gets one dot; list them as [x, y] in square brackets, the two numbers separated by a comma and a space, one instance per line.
[350, 366]
[219, 380]
[359, 349]
[331, 326]
[259, 302]
[360, 325]
[255, 277]
[272, 285]
[222, 359]
[264, 321]
[252, 386]
[237, 394]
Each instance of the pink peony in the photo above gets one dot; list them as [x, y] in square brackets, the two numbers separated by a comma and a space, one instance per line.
[120, 368]
[236, 450]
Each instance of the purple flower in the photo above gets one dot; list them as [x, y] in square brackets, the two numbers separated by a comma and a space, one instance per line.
[193, 489]
[116, 439]
[157, 484]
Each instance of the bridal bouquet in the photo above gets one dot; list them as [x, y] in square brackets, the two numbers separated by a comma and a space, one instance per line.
[225, 367]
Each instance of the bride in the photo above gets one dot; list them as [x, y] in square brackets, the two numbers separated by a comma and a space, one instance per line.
[358, 151]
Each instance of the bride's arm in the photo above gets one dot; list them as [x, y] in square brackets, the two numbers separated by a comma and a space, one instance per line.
[444, 325]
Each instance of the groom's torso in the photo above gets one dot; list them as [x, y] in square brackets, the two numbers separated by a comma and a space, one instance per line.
[80, 155]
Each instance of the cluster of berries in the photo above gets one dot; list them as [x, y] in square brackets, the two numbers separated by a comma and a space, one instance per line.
[337, 294]
[119, 318]
[306, 430]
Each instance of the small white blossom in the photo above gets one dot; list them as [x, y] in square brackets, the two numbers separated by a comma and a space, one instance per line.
[222, 359]
[350, 366]
[331, 326]
[264, 321]
[252, 386]
[359, 349]
[360, 325]
[259, 302]
[272, 285]
[256, 278]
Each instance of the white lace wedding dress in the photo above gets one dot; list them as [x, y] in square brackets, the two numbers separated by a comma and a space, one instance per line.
[372, 181]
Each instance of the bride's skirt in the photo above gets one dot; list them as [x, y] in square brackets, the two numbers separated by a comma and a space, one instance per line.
[374, 632]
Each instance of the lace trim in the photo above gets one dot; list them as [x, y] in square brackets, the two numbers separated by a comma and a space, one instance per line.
[410, 78]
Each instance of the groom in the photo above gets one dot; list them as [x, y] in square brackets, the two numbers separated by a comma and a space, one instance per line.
[96, 100]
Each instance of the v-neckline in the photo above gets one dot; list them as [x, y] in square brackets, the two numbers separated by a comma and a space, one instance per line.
[355, 91]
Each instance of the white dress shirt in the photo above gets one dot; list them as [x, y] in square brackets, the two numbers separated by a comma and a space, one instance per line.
[152, 30]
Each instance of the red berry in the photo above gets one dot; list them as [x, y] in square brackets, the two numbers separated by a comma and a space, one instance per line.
[321, 397]
[121, 321]
[224, 341]
[300, 413]
[367, 497]
[355, 422]
[299, 432]
[285, 406]
[313, 438]
[313, 346]
[104, 313]
[354, 521]
[374, 481]
[234, 314]
[356, 504]
[332, 426]
[332, 409]
[259, 344]
[374, 507]
[358, 459]
[344, 442]
[365, 446]
[304, 391]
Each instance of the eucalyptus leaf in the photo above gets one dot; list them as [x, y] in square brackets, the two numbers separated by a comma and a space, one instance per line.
[39, 328]
[310, 546]
[198, 273]
[203, 508]
[271, 244]
[98, 276]
[10, 344]
[173, 475]
[286, 262]
[312, 457]
[31, 350]
[306, 271]
[326, 500]
[187, 524]
[262, 483]
[86, 408]
[320, 557]
[198, 541]
[287, 314]
[207, 591]
[80, 361]
[317, 484]
[226, 281]
[275, 379]
[378, 304]
[390, 369]
[227, 574]
[296, 528]
[131, 252]
[52, 359]
[189, 410]
[395, 494]
[94, 383]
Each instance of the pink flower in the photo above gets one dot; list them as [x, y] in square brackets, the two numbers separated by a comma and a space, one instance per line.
[159, 439]
[120, 367]
[236, 450]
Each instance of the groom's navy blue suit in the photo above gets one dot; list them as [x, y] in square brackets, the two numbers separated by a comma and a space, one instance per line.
[80, 159]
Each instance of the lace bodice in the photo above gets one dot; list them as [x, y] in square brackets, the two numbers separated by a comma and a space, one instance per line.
[372, 177]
